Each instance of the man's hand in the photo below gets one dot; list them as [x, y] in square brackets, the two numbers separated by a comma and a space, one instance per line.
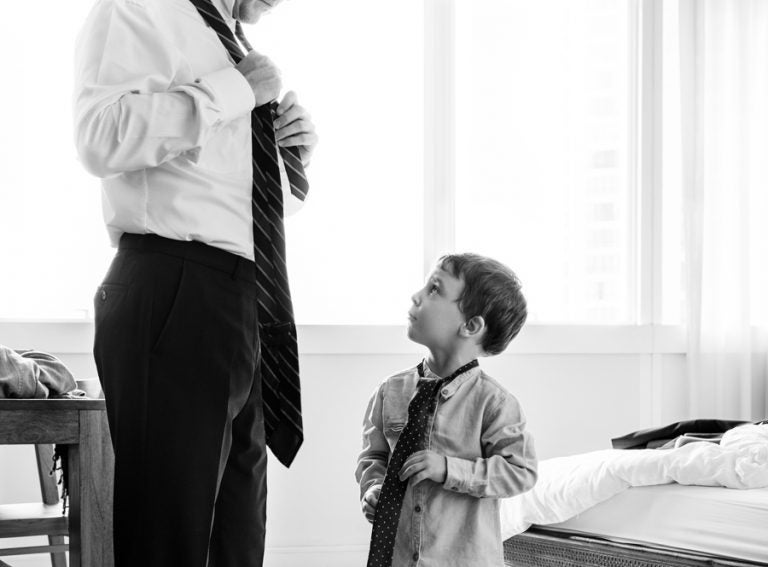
[294, 127]
[370, 500]
[423, 465]
[262, 75]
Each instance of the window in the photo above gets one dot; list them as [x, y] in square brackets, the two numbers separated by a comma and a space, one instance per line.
[545, 125]
[355, 250]
[53, 244]
[539, 103]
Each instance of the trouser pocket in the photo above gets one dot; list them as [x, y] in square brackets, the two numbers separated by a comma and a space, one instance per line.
[167, 301]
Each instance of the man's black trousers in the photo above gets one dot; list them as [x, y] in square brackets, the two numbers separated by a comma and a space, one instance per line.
[176, 349]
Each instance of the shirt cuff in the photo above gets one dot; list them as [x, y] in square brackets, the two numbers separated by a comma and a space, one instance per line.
[231, 92]
[455, 475]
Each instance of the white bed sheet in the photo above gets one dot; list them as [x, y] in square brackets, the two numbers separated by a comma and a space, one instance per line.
[571, 485]
[712, 520]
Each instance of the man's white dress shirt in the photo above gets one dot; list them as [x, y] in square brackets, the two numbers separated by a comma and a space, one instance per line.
[163, 117]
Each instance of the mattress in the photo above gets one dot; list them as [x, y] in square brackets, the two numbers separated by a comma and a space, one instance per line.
[712, 520]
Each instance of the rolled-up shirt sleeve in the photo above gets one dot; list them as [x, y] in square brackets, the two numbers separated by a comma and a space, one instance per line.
[510, 464]
[128, 113]
[372, 461]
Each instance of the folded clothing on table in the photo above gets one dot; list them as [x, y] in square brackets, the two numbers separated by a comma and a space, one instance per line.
[33, 374]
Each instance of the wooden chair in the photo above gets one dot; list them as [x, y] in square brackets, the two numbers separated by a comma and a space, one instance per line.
[38, 519]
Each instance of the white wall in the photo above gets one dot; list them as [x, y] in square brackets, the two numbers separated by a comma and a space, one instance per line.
[576, 398]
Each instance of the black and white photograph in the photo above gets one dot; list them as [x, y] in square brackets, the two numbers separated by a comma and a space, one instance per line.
[439, 283]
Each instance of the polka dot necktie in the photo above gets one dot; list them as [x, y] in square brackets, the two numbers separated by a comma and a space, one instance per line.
[413, 438]
[279, 366]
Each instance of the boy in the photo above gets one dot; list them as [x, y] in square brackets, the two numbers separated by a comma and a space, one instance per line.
[442, 442]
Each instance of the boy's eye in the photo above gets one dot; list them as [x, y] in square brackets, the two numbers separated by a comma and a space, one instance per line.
[433, 289]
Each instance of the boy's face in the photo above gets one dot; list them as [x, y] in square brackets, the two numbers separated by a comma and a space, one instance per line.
[434, 319]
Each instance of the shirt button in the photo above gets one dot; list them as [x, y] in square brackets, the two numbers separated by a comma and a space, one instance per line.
[445, 392]
[103, 295]
[415, 556]
[418, 509]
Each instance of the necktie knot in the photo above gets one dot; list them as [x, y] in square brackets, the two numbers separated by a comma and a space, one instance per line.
[266, 112]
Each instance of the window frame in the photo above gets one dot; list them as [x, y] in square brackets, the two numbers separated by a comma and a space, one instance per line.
[75, 336]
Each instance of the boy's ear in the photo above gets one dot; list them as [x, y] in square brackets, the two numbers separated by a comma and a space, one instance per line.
[473, 328]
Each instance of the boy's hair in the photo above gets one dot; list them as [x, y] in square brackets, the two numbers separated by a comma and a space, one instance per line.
[492, 291]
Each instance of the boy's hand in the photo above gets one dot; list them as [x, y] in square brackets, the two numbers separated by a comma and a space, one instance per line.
[424, 465]
[370, 500]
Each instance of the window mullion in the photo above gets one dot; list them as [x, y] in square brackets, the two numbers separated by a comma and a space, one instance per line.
[650, 166]
[439, 130]
[649, 201]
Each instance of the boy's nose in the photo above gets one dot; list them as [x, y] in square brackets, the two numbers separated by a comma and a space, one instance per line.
[415, 298]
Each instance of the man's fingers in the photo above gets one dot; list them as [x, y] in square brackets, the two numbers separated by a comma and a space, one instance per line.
[308, 140]
[296, 127]
[262, 75]
[288, 101]
[296, 112]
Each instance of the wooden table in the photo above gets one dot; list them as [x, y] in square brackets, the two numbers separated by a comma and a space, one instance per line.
[81, 424]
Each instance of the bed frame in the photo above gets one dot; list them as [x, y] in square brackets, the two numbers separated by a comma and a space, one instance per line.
[550, 548]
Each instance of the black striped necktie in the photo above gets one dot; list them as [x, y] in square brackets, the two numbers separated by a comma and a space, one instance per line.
[413, 438]
[279, 356]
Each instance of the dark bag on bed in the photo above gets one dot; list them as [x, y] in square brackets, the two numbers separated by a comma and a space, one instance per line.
[655, 437]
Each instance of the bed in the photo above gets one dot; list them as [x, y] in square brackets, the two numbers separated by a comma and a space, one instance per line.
[699, 504]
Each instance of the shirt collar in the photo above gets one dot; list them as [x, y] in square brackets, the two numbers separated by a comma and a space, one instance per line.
[449, 389]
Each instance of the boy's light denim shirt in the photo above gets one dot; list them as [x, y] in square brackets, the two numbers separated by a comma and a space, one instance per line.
[480, 428]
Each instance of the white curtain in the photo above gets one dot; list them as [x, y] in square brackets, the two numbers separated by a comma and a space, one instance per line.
[724, 109]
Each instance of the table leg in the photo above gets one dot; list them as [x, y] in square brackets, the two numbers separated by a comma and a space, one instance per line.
[91, 477]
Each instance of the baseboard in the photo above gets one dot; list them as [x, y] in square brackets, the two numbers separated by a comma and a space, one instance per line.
[316, 556]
